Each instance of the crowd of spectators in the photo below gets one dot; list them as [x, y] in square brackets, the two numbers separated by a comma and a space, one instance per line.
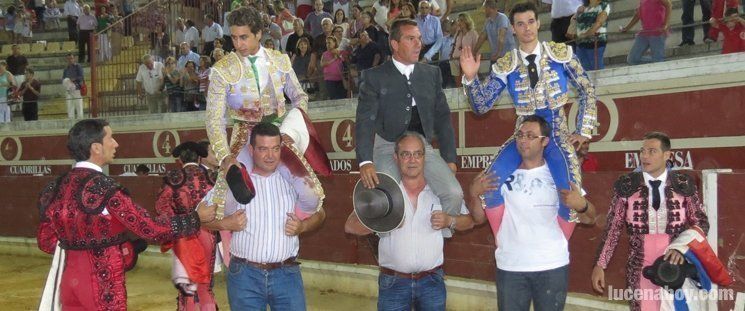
[330, 42]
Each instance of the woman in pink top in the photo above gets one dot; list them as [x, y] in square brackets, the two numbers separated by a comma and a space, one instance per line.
[332, 63]
[655, 18]
[465, 35]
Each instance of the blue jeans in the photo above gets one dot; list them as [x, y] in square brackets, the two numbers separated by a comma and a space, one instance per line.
[251, 288]
[397, 293]
[547, 289]
[656, 45]
[587, 57]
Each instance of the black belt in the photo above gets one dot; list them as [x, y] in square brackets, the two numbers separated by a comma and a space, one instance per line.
[267, 266]
[413, 276]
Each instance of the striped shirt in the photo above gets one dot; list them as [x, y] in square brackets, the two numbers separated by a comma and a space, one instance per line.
[264, 240]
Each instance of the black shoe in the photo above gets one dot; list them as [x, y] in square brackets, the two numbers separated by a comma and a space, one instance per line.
[240, 184]
[684, 43]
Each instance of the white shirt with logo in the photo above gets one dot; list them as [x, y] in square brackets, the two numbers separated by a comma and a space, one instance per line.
[529, 238]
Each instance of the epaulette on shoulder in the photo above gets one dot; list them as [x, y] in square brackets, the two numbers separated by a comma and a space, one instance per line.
[682, 183]
[175, 178]
[628, 184]
[506, 64]
[281, 60]
[558, 52]
[96, 192]
[230, 68]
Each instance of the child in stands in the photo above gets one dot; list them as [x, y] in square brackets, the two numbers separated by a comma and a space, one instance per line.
[732, 27]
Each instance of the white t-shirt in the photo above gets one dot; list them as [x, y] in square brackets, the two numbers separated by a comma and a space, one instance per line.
[415, 246]
[151, 79]
[530, 238]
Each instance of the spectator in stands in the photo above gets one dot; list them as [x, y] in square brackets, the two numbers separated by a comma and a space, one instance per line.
[394, 10]
[269, 44]
[150, 83]
[465, 36]
[587, 161]
[17, 63]
[340, 20]
[591, 33]
[205, 63]
[293, 39]
[367, 54]
[6, 81]
[301, 64]
[718, 11]
[190, 82]
[381, 9]
[172, 82]
[10, 22]
[355, 25]
[191, 35]
[407, 11]
[314, 19]
[687, 32]
[72, 11]
[319, 42]
[86, 25]
[73, 80]
[368, 25]
[218, 54]
[226, 33]
[128, 8]
[160, 42]
[23, 27]
[442, 8]
[52, 15]
[104, 45]
[429, 26]
[30, 89]
[561, 16]
[444, 48]
[142, 170]
[39, 7]
[497, 30]
[655, 18]
[179, 33]
[284, 18]
[342, 5]
[338, 33]
[732, 27]
[210, 32]
[186, 56]
[332, 63]
[271, 31]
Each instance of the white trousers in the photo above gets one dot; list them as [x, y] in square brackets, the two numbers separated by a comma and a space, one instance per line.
[74, 103]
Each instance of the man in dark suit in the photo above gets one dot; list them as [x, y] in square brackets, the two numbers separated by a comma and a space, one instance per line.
[405, 95]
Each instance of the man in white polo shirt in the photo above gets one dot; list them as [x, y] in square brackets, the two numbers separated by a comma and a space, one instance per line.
[210, 32]
[150, 84]
[411, 257]
[532, 239]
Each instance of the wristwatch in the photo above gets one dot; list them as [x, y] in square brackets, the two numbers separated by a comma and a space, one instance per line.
[453, 223]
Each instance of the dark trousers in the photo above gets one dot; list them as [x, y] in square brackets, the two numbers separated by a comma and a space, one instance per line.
[687, 18]
[336, 89]
[447, 75]
[546, 289]
[72, 28]
[83, 43]
[30, 111]
[40, 15]
[559, 28]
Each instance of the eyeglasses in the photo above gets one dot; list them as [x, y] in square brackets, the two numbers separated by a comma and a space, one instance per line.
[521, 136]
[408, 155]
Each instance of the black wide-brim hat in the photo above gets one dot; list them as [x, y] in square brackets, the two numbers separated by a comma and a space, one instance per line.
[670, 276]
[199, 149]
[380, 209]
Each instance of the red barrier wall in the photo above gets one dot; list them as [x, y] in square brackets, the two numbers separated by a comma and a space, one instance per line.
[469, 254]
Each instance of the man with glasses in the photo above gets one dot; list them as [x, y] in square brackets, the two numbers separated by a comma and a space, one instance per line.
[406, 280]
[532, 253]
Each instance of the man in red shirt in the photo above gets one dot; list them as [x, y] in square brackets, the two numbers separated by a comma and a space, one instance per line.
[588, 161]
[732, 27]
